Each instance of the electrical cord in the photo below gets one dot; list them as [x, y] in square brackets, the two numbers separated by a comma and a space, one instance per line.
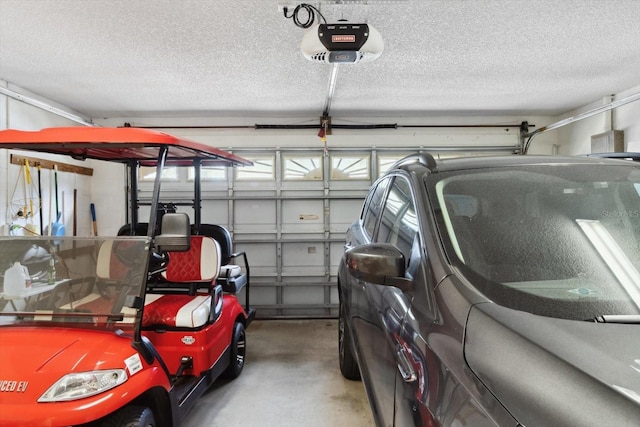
[526, 145]
[311, 15]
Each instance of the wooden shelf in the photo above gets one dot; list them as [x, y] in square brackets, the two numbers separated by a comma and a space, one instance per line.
[48, 164]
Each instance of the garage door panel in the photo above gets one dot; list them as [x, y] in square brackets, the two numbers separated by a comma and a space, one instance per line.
[335, 295]
[310, 271]
[297, 295]
[350, 188]
[261, 296]
[302, 259]
[302, 216]
[336, 250]
[255, 215]
[343, 213]
[262, 257]
[247, 237]
[308, 254]
[214, 212]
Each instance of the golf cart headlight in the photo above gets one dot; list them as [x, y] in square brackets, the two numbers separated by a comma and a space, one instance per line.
[83, 384]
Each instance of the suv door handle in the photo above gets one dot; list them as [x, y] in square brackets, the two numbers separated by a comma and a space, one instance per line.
[406, 370]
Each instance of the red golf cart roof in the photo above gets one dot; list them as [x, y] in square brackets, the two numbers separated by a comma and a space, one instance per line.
[118, 145]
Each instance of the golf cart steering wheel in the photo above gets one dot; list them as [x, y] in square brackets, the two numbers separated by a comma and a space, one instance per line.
[126, 252]
[157, 264]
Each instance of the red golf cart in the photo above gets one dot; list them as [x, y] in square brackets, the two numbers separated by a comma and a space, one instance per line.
[125, 330]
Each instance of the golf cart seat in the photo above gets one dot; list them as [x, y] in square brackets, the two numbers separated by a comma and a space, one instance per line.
[115, 259]
[231, 277]
[189, 297]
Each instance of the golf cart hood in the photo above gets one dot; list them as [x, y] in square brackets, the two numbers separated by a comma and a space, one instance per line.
[549, 371]
[59, 352]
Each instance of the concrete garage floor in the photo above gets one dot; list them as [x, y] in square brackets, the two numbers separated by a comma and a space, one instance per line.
[291, 378]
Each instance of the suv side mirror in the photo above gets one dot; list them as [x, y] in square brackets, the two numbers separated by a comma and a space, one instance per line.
[175, 233]
[378, 263]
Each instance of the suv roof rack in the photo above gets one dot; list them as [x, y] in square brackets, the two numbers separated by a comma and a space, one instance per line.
[425, 159]
[621, 155]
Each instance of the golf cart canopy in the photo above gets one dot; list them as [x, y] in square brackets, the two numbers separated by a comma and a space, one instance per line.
[130, 146]
[118, 145]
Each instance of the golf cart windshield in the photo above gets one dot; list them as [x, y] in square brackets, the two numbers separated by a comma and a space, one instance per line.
[560, 240]
[63, 280]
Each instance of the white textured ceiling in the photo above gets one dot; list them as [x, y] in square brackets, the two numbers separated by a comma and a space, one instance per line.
[120, 58]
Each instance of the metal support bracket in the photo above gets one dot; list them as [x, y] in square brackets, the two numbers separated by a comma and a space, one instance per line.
[524, 130]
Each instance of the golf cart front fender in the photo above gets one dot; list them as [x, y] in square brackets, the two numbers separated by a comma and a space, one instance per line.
[146, 385]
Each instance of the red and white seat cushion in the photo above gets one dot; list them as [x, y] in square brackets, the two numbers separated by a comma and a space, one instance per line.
[171, 310]
[176, 311]
[108, 266]
[230, 270]
[201, 263]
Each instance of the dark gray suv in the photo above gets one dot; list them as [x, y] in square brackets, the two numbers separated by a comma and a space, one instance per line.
[498, 291]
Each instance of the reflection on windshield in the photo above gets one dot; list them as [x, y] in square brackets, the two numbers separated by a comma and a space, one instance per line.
[613, 255]
[85, 281]
[556, 240]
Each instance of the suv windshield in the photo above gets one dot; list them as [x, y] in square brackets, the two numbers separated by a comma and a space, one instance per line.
[558, 240]
[88, 282]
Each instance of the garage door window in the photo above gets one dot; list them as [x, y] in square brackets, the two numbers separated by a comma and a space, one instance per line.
[262, 170]
[350, 167]
[387, 160]
[149, 174]
[209, 173]
[304, 168]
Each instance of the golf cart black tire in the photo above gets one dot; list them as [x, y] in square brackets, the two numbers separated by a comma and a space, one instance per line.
[130, 416]
[348, 363]
[237, 353]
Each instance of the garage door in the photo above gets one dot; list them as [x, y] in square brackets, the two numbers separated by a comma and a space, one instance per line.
[289, 213]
